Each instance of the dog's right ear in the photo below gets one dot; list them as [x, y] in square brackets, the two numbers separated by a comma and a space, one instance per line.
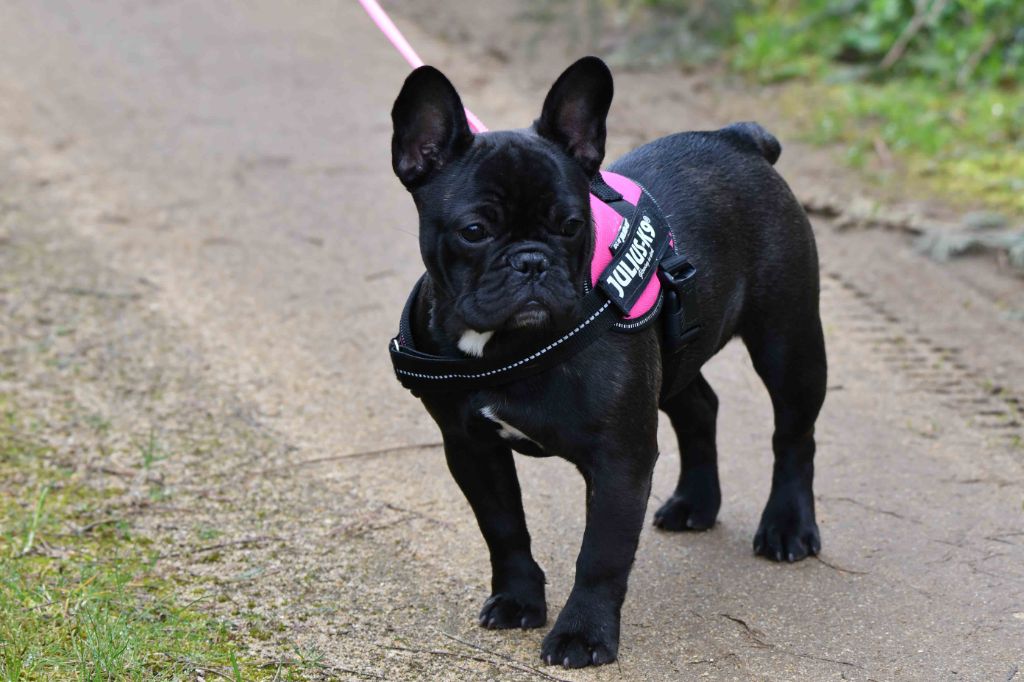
[430, 126]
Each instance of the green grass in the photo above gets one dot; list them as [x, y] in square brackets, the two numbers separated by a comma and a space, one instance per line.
[948, 108]
[80, 594]
[962, 146]
[151, 451]
[954, 129]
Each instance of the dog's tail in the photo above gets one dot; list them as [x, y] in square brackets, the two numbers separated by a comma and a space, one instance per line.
[752, 136]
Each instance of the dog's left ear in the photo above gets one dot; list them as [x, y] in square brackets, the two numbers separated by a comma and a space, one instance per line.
[575, 110]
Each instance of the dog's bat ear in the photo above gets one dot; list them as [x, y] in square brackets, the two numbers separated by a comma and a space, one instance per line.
[575, 110]
[430, 126]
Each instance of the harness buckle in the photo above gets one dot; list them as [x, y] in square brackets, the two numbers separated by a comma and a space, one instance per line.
[680, 312]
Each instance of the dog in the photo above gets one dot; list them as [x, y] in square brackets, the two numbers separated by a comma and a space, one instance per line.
[504, 234]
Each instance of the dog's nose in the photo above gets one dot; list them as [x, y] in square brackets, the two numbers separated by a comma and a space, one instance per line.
[528, 262]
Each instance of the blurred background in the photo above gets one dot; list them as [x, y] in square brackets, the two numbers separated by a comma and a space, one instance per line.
[929, 89]
[207, 470]
[923, 99]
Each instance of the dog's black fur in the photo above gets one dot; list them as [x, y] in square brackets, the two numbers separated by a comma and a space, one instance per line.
[503, 238]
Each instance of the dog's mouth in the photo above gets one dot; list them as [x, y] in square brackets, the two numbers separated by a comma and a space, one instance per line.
[524, 308]
[532, 314]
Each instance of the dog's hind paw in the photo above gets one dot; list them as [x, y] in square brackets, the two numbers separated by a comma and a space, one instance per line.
[695, 503]
[679, 513]
[504, 610]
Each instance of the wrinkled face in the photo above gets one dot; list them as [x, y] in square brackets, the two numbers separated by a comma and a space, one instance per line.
[505, 234]
[504, 217]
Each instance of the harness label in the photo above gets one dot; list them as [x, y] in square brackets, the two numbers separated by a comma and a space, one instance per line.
[638, 249]
[621, 237]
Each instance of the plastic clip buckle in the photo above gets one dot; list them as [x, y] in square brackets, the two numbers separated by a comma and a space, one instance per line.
[681, 317]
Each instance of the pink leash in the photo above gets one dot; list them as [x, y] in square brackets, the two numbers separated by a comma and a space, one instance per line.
[392, 33]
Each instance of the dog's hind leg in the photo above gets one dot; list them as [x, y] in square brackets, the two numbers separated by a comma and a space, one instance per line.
[788, 353]
[694, 504]
[487, 476]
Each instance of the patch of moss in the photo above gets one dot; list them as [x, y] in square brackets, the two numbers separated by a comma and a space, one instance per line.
[80, 596]
[966, 147]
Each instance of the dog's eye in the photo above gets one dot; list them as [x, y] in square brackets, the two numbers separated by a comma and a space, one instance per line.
[570, 227]
[473, 233]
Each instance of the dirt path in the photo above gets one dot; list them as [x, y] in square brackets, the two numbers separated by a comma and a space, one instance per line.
[234, 158]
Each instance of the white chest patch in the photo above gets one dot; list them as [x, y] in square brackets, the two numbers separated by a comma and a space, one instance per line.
[505, 430]
[472, 342]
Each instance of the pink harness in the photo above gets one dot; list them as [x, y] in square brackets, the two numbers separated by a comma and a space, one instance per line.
[607, 226]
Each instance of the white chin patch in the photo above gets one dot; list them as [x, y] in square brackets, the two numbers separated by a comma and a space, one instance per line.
[473, 342]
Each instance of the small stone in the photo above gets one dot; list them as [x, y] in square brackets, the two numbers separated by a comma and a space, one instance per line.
[985, 220]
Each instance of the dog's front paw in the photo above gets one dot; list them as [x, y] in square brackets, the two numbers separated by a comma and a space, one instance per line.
[578, 642]
[788, 530]
[504, 610]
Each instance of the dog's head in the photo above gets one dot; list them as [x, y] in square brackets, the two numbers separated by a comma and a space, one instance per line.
[504, 216]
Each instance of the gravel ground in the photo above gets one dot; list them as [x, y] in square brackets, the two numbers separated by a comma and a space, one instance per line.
[201, 244]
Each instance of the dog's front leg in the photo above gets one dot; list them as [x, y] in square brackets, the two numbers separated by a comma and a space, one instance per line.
[587, 630]
[486, 473]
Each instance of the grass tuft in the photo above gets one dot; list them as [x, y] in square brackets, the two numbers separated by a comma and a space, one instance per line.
[79, 597]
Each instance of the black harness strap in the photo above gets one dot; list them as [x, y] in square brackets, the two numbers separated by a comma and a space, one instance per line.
[680, 319]
[416, 370]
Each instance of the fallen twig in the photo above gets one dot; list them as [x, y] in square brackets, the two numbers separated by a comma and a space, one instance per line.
[350, 455]
[94, 525]
[440, 652]
[536, 671]
[974, 59]
[479, 659]
[123, 473]
[826, 659]
[923, 13]
[359, 673]
[421, 515]
[197, 667]
[353, 533]
[221, 545]
[96, 293]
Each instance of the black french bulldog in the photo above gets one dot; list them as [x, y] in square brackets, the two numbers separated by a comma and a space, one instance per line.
[504, 235]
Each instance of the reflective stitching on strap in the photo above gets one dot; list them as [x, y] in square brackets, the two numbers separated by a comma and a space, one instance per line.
[551, 345]
[645, 319]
